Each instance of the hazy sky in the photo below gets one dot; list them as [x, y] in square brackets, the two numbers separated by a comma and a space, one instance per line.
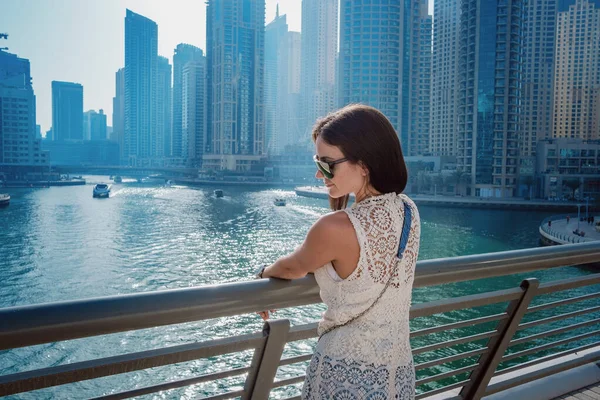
[83, 41]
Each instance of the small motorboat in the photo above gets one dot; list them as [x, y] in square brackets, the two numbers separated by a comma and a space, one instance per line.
[101, 190]
[118, 179]
[218, 193]
[169, 183]
[4, 199]
[279, 202]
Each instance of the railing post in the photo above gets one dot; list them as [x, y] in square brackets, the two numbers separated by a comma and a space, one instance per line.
[266, 360]
[488, 362]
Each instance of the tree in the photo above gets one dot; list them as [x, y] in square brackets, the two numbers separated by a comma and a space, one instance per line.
[572, 184]
[440, 181]
[457, 178]
[528, 181]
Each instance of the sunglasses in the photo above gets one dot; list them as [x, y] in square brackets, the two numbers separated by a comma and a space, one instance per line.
[325, 167]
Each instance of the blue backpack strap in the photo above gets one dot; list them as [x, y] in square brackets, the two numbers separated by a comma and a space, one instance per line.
[405, 229]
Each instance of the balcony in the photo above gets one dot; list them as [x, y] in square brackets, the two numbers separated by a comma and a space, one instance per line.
[505, 342]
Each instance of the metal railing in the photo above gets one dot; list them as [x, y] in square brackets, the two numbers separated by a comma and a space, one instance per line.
[456, 361]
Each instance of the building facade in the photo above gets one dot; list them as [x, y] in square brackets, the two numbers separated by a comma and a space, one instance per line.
[118, 116]
[94, 125]
[164, 106]
[444, 77]
[235, 67]
[490, 79]
[194, 122]
[385, 62]
[319, 48]
[67, 110]
[567, 166]
[184, 53]
[142, 146]
[19, 148]
[577, 73]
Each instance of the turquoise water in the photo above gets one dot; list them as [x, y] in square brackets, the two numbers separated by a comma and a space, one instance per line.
[61, 244]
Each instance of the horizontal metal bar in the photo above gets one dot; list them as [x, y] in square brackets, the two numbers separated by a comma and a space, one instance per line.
[30, 325]
[175, 384]
[548, 346]
[567, 284]
[36, 324]
[546, 358]
[457, 325]
[527, 325]
[542, 373]
[294, 360]
[288, 381]
[302, 332]
[228, 395]
[446, 374]
[450, 343]
[553, 332]
[466, 268]
[442, 390]
[562, 302]
[458, 303]
[80, 371]
[448, 359]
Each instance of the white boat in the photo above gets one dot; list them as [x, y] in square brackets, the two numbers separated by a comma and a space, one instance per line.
[4, 199]
[169, 183]
[101, 190]
[279, 202]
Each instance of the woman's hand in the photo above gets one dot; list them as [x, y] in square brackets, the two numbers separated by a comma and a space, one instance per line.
[265, 314]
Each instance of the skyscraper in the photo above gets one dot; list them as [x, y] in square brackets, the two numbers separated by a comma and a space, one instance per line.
[193, 84]
[235, 63]
[119, 112]
[276, 85]
[386, 63]
[163, 108]
[319, 48]
[295, 128]
[184, 53]
[577, 72]
[94, 125]
[444, 77]
[490, 78]
[19, 146]
[142, 145]
[67, 111]
[419, 78]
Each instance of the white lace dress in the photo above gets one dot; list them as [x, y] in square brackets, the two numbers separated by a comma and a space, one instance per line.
[370, 358]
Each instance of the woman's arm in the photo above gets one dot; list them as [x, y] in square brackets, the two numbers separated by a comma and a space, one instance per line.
[324, 242]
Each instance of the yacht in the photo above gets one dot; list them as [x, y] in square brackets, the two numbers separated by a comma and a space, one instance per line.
[101, 190]
[218, 193]
[4, 199]
[118, 179]
[279, 202]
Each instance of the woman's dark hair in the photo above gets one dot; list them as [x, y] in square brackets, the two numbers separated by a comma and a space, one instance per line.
[365, 135]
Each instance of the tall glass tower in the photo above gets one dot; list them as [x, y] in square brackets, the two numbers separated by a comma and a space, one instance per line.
[490, 79]
[235, 32]
[142, 145]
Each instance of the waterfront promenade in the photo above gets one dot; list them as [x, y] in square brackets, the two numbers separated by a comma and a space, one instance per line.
[562, 232]
[462, 201]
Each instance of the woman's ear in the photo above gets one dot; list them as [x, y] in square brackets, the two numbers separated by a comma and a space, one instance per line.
[363, 169]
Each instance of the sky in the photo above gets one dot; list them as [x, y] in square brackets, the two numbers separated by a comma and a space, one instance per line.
[83, 41]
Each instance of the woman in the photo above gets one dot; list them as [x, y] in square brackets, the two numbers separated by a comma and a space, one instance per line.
[363, 258]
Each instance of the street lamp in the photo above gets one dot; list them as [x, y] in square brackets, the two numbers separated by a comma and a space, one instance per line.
[578, 215]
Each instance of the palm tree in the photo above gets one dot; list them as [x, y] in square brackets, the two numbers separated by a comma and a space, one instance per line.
[529, 181]
[458, 177]
[440, 181]
[572, 184]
